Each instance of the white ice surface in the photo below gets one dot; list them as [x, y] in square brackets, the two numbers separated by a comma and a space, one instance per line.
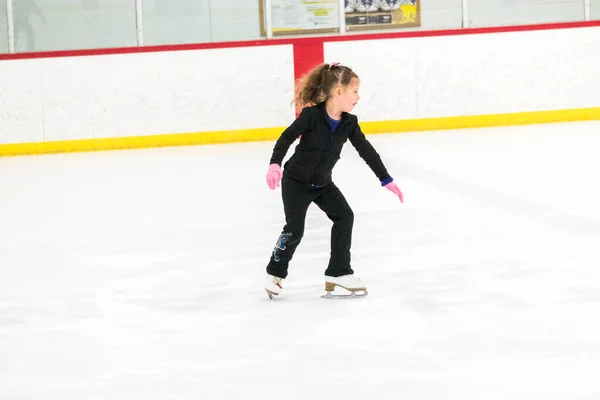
[138, 274]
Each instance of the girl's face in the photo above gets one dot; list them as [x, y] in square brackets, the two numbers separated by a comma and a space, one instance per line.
[349, 95]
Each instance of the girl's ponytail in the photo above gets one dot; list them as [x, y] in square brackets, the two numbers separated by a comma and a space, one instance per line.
[314, 87]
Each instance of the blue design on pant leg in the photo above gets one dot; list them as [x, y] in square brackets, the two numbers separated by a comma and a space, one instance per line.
[283, 238]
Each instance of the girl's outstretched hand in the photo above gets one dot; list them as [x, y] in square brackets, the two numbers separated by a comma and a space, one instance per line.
[392, 187]
[274, 176]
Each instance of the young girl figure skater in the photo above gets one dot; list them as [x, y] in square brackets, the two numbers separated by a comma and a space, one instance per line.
[326, 94]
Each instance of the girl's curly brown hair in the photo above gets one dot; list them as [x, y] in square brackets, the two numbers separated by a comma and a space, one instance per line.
[316, 85]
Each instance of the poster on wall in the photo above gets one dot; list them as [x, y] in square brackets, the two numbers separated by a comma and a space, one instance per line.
[381, 14]
[291, 17]
[304, 16]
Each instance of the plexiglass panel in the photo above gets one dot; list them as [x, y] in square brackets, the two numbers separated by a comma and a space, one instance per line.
[42, 25]
[484, 13]
[200, 21]
[441, 14]
[595, 9]
[176, 22]
[234, 20]
[3, 28]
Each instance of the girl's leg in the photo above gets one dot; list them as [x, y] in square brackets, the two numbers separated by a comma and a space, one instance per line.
[334, 204]
[297, 197]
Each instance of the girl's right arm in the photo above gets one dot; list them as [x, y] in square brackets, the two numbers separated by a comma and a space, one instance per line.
[289, 135]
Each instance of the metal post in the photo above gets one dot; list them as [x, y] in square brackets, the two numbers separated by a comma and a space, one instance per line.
[210, 22]
[10, 27]
[465, 14]
[269, 18]
[139, 20]
[586, 10]
[342, 15]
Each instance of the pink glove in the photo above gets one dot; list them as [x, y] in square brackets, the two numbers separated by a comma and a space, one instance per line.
[274, 176]
[392, 187]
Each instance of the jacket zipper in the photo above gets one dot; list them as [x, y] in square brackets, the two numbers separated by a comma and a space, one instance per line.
[325, 153]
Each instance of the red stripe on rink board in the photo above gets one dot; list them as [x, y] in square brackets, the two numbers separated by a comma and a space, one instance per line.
[298, 41]
[307, 55]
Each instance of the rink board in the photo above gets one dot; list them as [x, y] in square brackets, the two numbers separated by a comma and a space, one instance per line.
[202, 94]
[201, 138]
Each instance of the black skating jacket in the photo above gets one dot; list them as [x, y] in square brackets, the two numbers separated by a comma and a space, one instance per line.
[319, 148]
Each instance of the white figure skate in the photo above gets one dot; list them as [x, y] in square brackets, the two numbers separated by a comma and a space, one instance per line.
[273, 286]
[351, 283]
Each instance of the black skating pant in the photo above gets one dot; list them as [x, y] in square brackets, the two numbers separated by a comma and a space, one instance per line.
[297, 197]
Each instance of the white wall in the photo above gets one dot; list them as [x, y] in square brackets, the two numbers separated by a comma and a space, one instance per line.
[474, 74]
[144, 94]
[238, 88]
[21, 112]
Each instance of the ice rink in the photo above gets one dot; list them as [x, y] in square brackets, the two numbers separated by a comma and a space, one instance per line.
[138, 274]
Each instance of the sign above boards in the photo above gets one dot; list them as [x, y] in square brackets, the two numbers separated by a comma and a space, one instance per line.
[294, 17]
